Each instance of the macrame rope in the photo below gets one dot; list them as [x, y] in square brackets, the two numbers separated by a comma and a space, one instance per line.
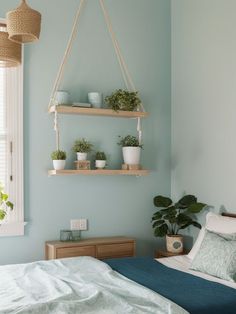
[67, 52]
[129, 83]
[124, 68]
[61, 72]
[56, 129]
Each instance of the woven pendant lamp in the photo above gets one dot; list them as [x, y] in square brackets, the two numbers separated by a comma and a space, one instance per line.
[10, 52]
[23, 24]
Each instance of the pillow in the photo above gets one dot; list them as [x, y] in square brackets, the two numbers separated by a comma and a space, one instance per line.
[217, 256]
[197, 244]
[220, 224]
[215, 223]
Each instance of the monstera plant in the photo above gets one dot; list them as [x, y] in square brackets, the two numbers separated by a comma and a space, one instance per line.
[172, 217]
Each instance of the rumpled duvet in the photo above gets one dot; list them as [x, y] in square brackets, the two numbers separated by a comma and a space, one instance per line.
[76, 285]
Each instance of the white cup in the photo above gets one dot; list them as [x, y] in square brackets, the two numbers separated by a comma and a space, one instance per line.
[62, 97]
[95, 99]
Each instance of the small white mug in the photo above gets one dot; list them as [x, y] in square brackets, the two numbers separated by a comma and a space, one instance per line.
[95, 99]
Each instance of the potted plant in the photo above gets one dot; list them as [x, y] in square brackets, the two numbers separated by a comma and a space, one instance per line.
[82, 148]
[100, 160]
[58, 159]
[5, 204]
[131, 149]
[173, 217]
[123, 100]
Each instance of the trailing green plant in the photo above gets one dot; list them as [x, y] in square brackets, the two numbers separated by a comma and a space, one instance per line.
[123, 100]
[100, 156]
[82, 146]
[58, 155]
[172, 217]
[5, 204]
[129, 141]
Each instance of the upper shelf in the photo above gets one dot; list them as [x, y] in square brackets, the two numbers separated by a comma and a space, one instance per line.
[110, 172]
[97, 112]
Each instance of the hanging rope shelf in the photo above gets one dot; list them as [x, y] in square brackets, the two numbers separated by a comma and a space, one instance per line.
[53, 105]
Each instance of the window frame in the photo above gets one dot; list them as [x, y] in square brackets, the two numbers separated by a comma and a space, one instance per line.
[14, 226]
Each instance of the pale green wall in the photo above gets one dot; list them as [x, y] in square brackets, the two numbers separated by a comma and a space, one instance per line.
[204, 100]
[113, 205]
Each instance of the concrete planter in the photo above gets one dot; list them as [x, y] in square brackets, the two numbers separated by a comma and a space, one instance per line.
[174, 244]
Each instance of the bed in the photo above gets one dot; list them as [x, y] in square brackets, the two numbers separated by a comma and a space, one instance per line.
[127, 285]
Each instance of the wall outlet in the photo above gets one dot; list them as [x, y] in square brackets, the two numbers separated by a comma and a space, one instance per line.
[83, 224]
[78, 224]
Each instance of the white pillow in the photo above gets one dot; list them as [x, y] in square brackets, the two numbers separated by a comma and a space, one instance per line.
[217, 224]
[220, 224]
[197, 244]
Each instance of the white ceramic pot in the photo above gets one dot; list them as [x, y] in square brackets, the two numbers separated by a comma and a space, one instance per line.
[100, 164]
[59, 164]
[82, 156]
[95, 99]
[62, 97]
[131, 155]
[174, 244]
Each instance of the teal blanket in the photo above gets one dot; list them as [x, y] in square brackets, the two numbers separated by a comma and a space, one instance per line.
[76, 285]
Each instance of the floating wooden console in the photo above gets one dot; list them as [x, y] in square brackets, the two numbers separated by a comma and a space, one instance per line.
[97, 112]
[109, 172]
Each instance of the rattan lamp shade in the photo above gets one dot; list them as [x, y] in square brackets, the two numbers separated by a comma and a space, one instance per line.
[23, 24]
[10, 52]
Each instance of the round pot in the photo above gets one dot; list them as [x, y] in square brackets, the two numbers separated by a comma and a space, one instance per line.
[95, 99]
[100, 164]
[59, 164]
[81, 156]
[174, 244]
[62, 97]
[131, 155]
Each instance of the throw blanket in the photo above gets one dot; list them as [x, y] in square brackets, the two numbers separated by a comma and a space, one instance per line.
[196, 295]
[78, 285]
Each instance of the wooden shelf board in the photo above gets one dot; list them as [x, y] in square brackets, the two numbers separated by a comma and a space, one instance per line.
[110, 172]
[97, 112]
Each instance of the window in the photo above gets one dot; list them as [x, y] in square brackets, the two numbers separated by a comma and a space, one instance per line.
[11, 147]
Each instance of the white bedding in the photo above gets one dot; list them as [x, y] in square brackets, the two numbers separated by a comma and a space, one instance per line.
[183, 263]
[76, 285]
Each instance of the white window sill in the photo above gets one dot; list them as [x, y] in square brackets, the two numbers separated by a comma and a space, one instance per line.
[12, 229]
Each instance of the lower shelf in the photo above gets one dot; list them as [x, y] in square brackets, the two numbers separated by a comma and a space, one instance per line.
[109, 172]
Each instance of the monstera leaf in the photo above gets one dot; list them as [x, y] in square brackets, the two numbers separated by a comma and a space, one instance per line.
[161, 201]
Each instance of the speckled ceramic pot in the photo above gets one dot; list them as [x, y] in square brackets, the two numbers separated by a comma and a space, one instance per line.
[174, 244]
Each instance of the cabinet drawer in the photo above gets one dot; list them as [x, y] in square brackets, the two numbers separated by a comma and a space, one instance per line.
[115, 250]
[76, 251]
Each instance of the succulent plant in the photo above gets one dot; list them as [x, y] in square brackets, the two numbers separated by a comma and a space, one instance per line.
[123, 100]
[82, 146]
[58, 155]
[129, 141]
[100, 156]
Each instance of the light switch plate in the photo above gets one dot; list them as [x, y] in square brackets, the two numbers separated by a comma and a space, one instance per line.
[78, 224]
